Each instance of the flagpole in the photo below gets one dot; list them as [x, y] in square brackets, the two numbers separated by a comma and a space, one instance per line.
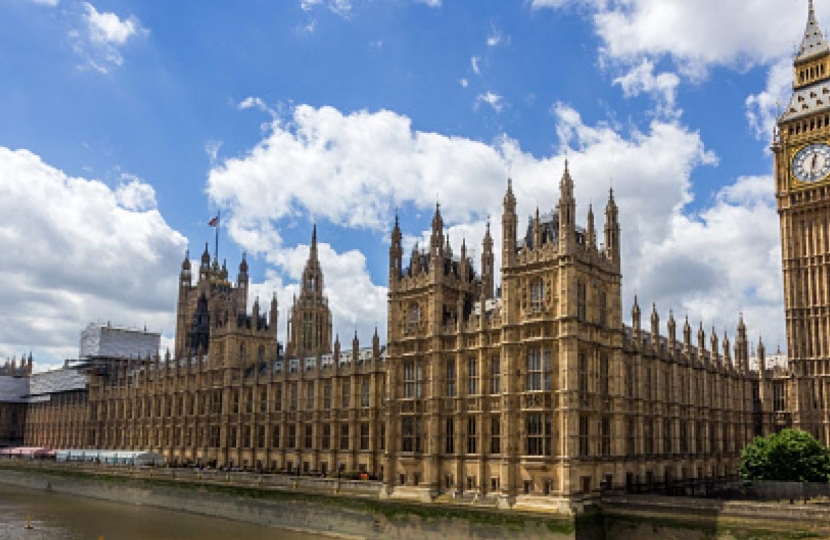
[218, 222]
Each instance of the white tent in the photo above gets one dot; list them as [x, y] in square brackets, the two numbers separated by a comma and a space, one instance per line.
[111, 457]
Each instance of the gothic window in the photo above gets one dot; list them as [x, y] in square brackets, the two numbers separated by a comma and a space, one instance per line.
[537, 294]
[308, 324]
[449, 436]
[309, 436]
[261, 437]
[538, 430]
[344, 436]
[472, 439]
[603, 308]
[327, 396]
[364, 392]
[495, 434]
[451, 378]
[605, 437]
[412, 379]
[293, 397]
[495, 375]
[538, 369]
[584, 435]
[292, 436]
[581, 301]
[345, 393]
[411, 434]
[413, 317]
[630, 435]
[667, 437]
[364, 436]
[326, 439]
[278, 397]
[472, 376]
[309, 401]
[383, 436]
[778, 400]
[582, 373]
[263, 400]
[604, 384]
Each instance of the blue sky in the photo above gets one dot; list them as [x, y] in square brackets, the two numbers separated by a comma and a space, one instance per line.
[126, 125]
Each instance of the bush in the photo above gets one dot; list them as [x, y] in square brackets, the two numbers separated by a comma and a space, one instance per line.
[788, 456]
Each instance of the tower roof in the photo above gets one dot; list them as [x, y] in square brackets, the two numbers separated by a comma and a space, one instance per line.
[813, 43]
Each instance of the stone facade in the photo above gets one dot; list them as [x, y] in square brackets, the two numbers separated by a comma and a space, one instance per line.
[540, 394]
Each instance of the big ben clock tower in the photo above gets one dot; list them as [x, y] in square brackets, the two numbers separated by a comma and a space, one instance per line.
[802, 176]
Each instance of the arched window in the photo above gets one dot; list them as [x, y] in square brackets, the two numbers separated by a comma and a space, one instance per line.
[413, 316]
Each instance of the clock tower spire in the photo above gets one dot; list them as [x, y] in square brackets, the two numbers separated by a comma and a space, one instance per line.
[801, 150]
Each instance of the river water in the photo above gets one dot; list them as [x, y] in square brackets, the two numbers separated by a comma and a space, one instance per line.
[62, 517]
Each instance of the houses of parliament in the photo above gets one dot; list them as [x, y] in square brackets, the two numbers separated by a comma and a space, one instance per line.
[535, 391]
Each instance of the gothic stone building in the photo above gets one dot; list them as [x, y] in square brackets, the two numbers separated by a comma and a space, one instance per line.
[540, 394]
[230, 397]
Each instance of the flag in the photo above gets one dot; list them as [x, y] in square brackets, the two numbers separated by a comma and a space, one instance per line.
[214, 222]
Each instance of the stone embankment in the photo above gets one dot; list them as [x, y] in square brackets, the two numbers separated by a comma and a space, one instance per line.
[340, 508]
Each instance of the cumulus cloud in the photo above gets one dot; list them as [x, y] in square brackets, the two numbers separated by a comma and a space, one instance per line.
[641, 79]
[430, 3]
[762, 109]
[340, 7]
[49, 3]
[99, 43]
[75, 251]
[377, 162]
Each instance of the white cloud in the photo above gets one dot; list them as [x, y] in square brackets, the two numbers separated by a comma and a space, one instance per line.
[135, 195]
[49, 3]
[762, 109]
[474, 64]
[340, 7]
[662, 87]
[76, 251]
[463, 82]
[493, 100]
[430, 3]
[352, 170]
[495, 37]
[99, 43]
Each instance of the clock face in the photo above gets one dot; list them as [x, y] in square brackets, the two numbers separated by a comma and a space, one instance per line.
[812, 162]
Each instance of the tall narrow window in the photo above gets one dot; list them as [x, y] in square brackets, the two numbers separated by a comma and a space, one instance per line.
[364, 392]
[327, 395]
[293, 398]
[472, 376]
[495, 375]
[411, 434]
[582, 373]
[605, 437]
[604, 386]
[584, 436]
[412, 379]
[449, 436]
[472, 435]
[581, 301]
[309, 400]
[278, 397]
[344, 436]
[537, 294]
[495, 434]
[603, 308]
[451, 378]
[630, 437]
[534, 370]
[326, 438]
[364, 436]
[345, 393]
[309, 436]
[538, 434]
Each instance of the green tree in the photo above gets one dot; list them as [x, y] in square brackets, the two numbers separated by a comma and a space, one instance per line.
[788, 456]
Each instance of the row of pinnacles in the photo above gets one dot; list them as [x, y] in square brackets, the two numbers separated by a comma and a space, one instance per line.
[11, 368]
[685, 352]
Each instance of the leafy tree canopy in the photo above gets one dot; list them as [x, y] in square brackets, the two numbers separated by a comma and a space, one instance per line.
[788, 456]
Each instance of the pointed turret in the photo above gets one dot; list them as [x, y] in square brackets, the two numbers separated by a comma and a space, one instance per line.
[635, 320]
[687, 337]
[273, 316]
[591, 232]
[762, 358]
[741, 346]
[395, 255]
[655, 324]
[509, 224]
[672, 327]
[612, 230]
[487, 262]
[567, 210]
[436, 239]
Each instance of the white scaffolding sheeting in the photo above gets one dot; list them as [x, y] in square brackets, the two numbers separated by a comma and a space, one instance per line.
[112, 342]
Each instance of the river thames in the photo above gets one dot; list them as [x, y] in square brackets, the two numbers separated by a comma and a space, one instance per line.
[62, 517]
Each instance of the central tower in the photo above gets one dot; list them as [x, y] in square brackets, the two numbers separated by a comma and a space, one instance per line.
[802, 178]
[309, 325]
